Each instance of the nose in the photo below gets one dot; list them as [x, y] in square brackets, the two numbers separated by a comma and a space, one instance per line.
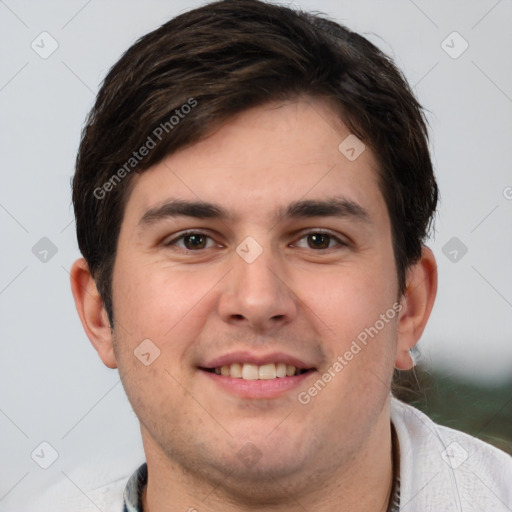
[257, 294]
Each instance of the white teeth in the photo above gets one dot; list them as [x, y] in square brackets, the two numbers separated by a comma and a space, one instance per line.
[235, 371]
[267, 371]
[280, 370]
[254, 372]
[250, 372]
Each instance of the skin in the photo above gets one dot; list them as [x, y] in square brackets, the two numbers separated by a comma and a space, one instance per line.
[196, 304]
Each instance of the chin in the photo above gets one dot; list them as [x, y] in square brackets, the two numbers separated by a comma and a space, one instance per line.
[264, 483]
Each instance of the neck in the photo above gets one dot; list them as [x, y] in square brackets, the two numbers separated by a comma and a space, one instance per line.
[363, 484]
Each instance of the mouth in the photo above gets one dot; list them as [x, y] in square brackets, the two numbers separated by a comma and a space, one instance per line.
[248, 371]
[250, 376]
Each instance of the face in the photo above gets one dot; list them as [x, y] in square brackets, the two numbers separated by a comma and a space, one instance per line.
[259, 249]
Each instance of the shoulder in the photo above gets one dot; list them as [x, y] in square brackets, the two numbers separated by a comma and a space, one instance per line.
[445, 469]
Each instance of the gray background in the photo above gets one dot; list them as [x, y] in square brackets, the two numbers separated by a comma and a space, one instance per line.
[53, 387]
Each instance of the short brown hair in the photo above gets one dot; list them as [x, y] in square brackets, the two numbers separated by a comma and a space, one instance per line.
[222, 59]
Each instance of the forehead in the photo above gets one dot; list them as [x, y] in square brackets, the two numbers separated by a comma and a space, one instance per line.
[261, 161]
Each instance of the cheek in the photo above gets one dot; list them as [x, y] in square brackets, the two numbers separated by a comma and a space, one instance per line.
[347, 299]
[347, 305]
[168, 308]
[160, 302]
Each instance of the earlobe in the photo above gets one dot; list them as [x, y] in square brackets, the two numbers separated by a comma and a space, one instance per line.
[417, 303]
[92, 312]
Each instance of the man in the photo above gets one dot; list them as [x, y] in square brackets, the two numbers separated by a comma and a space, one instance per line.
[252, 194]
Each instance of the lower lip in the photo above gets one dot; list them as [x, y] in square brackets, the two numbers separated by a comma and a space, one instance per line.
[271, 388]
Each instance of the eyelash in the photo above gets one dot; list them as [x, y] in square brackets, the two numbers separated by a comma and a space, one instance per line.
[185, 234]
[332, 237]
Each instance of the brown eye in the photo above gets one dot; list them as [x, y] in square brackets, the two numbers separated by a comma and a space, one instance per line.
[196, 241]
[318, 241]
[191, 241]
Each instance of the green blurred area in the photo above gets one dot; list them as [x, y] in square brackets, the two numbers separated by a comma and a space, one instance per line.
[479, 409]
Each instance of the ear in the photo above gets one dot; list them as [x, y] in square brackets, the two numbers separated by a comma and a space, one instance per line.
[92, 312]
[417, 303]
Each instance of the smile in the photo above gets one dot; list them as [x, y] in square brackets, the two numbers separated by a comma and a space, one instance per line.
[248, 371]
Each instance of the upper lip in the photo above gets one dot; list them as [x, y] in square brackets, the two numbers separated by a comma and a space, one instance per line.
[257, 359]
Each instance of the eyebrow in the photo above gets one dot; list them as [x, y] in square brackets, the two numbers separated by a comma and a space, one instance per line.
[331, 207]
[182, 208]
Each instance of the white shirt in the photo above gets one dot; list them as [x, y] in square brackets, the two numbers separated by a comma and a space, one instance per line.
[441, 470]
